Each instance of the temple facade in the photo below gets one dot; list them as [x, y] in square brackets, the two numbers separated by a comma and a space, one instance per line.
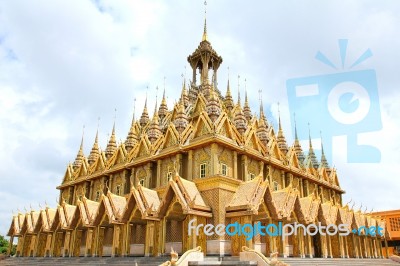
[208, 160]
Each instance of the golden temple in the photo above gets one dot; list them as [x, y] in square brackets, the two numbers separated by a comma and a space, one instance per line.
[208, 160]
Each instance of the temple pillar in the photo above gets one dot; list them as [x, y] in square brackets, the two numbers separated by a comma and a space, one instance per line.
[341, 247]
[88, 242]
[329, 240]
[261, 167]
[99, 241]
[117, 241]
[309, 246]
[149, 239]
[244, 176]
[346, 246]
[214, 159]
[162, 236]
[374, 240]
[324, 246]
[47, 249]
[356, 246]
[386, 255]
[10, 245]
[302, 244]
[235, 167]
[125, 240]
[67, 244]
[159, 174]
[191, 236]
[285, 244]
[20, 246]
[190, 165]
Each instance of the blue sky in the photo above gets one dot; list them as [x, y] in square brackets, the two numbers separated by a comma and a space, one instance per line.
[63, 64]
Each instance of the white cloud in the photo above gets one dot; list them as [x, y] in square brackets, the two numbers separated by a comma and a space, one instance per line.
[65, 63]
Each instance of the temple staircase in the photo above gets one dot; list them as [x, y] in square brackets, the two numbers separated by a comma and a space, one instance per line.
[153, 261]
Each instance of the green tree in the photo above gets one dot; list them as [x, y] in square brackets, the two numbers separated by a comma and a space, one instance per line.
[3, 245]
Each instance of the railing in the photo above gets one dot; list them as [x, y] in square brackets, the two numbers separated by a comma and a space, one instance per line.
[190, 255]
[249, 254]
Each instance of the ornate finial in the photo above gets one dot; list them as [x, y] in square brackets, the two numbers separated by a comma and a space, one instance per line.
[134, 110]
[309, 134]
[279, 117]
[205, 22]
[155, 106]
[352, 206]
[83, 134]
[45, 204]
[360, 206]
[295, 127]
[228, 73]
[238, 89]
[115, 118]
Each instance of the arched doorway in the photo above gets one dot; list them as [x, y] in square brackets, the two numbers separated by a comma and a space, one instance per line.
[174, 231]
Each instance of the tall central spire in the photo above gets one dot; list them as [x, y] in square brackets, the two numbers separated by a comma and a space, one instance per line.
[205, 23]
[204, 59]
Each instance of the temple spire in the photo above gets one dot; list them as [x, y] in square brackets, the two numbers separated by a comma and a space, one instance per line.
[163, 110]
[112, 143]
[144, 119]
[311, 153]
[134, 111]
[79, 157]
[238, 101]
[324, 161]
[246, 108]
[94, 153]
[281, 137]
[297, 146]
[205, 38]
[132, 137]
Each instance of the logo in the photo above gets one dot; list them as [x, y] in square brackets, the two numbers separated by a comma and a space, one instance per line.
[344, 103]
[250, 230]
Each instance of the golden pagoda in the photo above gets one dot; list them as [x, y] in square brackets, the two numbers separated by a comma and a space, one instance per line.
[207, 161]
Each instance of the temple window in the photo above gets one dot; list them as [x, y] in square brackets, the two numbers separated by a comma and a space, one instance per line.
[169, 176]
[141, 182]
[203, 168]
[118, 190]
[251, 176]
[224, 169]
[394, 224]
[97, 195]
[275, 186]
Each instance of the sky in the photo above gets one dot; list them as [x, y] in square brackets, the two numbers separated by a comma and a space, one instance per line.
[65, 65]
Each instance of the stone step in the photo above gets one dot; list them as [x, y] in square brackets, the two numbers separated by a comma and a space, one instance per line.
[333, 262]
[210, 260]
[232, 263]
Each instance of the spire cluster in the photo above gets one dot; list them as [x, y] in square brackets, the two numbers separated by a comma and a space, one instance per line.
[202, 98]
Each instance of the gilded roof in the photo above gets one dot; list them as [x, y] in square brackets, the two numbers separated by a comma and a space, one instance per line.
[247, 196]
